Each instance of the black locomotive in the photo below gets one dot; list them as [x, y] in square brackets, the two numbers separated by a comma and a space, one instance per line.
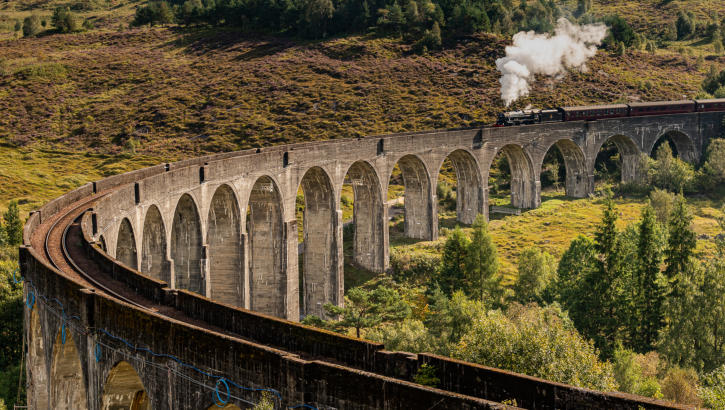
[596, 112]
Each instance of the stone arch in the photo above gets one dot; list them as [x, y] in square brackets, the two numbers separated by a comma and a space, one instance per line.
[683, 144]
[126, 245]
[67, 387]
[321, 273]
[469, 196]
[268, 279]
[186, 246]
[524, 192]
[153, 248]
[369, 242]
[37, 372]
[577, 177]
[418, 220]
[124, 390]
[224, 245]
[629, 154]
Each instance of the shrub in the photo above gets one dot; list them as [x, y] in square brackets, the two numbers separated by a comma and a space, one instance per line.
[680, 385]
[415, 267]
[713, 170]
[32, 26]
[427, 376]
[156, 12]
[670, 173]
[662, 202]
[713, 389]
[65, 21]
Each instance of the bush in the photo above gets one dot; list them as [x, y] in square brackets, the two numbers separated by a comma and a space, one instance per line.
[540, 342]
[156, 12]
[418, 268]
[662, 202]
[713, 389]
[680, 385]
[32, 26]
[713, 170]
[65, 21]
[670, 173]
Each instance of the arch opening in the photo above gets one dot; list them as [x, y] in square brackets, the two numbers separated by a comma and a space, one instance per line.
[268, 280]
[320, 271]
[459, 186]
[564, 166]
[67, 390]
[411, 174]
[617, 160]
[225, 248]
[124, 390]
[512, 175]
[153, 248]
[37, 374]
[186, 247]
[680, 144]
[364, 234]
[103, 245]
[126, 245]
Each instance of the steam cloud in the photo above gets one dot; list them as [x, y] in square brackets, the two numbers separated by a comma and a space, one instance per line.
[570, 47]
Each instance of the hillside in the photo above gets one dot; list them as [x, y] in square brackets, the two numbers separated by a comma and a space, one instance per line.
[174, 91]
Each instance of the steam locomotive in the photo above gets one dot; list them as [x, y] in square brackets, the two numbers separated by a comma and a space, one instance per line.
[597, 112]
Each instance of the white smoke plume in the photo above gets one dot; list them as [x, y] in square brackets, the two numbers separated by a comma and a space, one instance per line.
[531, 53]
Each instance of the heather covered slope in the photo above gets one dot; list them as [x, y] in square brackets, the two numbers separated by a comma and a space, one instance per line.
[169, 91]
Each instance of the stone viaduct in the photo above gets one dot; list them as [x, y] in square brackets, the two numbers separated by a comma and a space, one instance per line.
[209, 250]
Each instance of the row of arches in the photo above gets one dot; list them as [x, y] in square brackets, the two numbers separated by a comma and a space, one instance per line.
[242, 260]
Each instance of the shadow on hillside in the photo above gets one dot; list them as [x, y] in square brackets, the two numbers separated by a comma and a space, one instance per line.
[249, 46]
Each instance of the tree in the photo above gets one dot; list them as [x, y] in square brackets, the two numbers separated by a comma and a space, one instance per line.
[649, 282]
[315, 18]
[451, 274]
[605, 291]
[717, 41]
[536, 271]
[156, 12]
[18, 25]
[661, 202]
[713, 170]
[681, 241]
[3, 235]
[536, 341]
[431, 38]
[685, 26]
[64, 21]
[32, 25]
[13, 224]
[368, 308]
[670, 173]
[481, 262]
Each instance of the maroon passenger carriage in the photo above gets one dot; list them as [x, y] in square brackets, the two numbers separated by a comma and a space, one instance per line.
[598, 112]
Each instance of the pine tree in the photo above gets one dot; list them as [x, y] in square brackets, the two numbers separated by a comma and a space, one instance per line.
[13, 224]
[605, 286]
[649, 282]
[3, 234]
[451, 273]
[481, 273]
[680, 243]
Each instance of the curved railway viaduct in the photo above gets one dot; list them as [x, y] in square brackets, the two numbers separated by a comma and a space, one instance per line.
[179, 286]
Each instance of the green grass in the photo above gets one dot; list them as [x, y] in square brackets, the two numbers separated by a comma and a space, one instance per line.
[559, 220]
